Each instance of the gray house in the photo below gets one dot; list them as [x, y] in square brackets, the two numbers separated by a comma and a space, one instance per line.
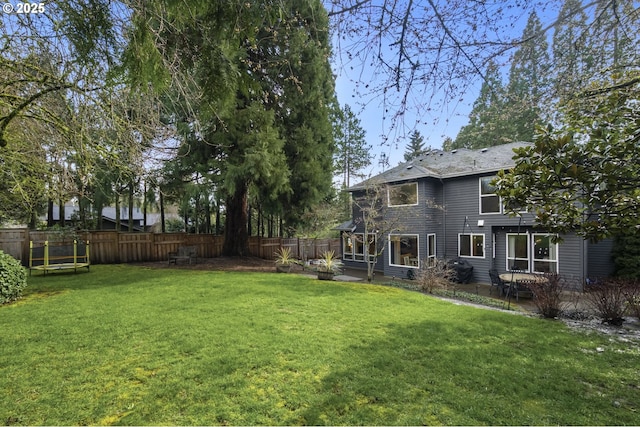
[447, 209]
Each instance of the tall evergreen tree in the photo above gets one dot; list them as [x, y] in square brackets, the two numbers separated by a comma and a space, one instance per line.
[528, 83]
[487, 120]
[415, 148]
[352, 152]
[256, 87]
[572, 54]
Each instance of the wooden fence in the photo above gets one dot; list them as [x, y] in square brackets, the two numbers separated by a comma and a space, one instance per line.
[112, 247]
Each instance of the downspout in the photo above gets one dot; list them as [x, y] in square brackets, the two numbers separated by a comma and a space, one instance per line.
[444, 221]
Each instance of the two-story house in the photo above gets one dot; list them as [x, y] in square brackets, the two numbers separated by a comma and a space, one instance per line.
[447, 209]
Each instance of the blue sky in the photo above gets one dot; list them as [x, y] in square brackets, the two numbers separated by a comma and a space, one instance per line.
[440, 119]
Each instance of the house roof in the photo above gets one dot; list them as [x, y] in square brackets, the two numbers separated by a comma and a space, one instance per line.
[449, 164]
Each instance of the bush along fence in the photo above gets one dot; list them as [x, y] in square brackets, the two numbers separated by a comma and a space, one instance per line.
[112, 247]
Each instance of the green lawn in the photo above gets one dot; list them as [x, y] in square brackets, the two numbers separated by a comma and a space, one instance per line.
[129, 345]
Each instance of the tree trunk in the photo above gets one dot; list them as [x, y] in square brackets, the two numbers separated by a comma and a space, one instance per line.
[117, 212]
[218, 225]
[131, 207]
[236, 238]
[62, 214]
[162, 223]
[50, 220]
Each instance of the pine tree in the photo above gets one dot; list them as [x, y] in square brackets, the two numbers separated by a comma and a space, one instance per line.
[487, 121]
[352, 153]
[415, 148]
[571, 52]
[528, 83]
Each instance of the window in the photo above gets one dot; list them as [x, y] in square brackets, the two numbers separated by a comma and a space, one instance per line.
[545, 254]
[489, 200]
[353, 247]
[518, 252]
[347, 247]
[520, 248]
[431, 250]
[403, 250]
[403, 195]
[471, 245]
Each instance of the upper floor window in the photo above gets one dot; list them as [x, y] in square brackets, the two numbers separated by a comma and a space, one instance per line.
[403, 194]
[489, 200]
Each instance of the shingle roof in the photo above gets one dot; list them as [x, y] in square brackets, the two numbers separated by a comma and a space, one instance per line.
[449, 164]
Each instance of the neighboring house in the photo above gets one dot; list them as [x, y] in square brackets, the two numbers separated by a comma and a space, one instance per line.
[447, 209]
[108, 217]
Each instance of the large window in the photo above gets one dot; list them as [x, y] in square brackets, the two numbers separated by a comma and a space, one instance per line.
[489, 200]
[545, 254]
[471, 245]
[403, 195]
[518, 252]
[355, 248]
[403, 250]
[532, 252]
[431, 250]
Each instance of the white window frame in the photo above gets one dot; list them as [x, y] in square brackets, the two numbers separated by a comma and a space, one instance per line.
[390, 187]
[511, 260]
[347, 249]
[357, 239]
[555, 250]
[485, 196]
[417, 237]
[471, 246]
[531, 256]
[431, 250]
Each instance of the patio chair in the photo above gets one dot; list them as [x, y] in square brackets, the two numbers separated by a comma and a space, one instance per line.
[522, 288]
[497, 282]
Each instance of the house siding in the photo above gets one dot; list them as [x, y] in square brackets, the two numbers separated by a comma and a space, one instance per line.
[599, 261]
[462, 215]
[411, 220]
[451, 181]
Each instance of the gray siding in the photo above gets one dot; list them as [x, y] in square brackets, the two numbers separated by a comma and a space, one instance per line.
[599, 261]
[451, 207]
[462, 206]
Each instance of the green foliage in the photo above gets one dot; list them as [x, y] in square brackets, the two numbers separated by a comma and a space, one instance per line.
[583, 183]
[283, 256]
[529, 80]
[174, 225]
[626, 255]
[13, 278]
[352, 153]
[329, 262]
[415, 148]
[488, 118]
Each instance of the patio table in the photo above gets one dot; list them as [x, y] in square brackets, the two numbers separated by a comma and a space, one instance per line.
[512, 277]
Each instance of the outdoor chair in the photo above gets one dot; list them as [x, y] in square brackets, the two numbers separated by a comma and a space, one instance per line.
[522, 288]
[497, 282]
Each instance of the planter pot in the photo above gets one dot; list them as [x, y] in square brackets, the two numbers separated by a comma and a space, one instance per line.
[280, 268]
[326, 275]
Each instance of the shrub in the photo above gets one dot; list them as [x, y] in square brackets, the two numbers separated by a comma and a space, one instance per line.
[547, 295]
[609, 299]
[13, 278]
[632, 295]
[434, 274]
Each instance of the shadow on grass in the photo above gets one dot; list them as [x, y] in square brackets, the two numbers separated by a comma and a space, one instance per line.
[479, 373]
[99, 276]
